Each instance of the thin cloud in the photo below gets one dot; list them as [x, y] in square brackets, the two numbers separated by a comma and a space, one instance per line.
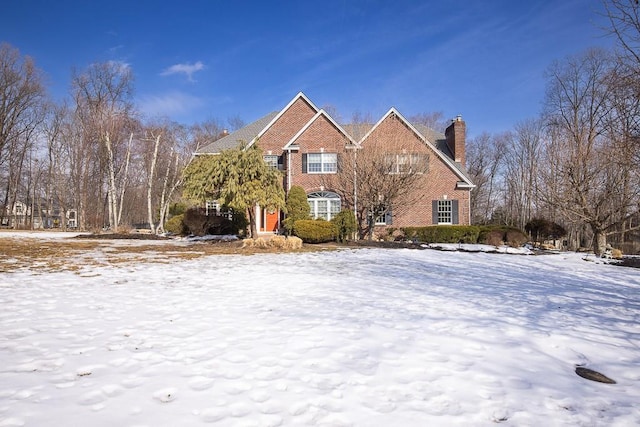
[169, 104]
[186, 69]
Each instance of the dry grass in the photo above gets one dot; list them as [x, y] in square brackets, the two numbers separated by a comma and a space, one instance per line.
[78, 254]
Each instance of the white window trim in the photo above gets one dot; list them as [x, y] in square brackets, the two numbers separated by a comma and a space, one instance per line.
[412, 159]
[330, 197]
[323, 163]
[448, 213]
[273, 160]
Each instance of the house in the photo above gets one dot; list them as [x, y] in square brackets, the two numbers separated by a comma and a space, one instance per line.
[19, 215]
[325, 158]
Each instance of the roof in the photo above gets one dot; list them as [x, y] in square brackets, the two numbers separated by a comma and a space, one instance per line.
[244, 135]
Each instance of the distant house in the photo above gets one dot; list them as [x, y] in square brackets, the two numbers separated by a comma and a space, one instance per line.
[19, 215]
[309, 146]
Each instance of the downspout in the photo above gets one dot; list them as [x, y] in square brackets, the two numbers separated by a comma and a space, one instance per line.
[355, 183]
[469, 206]
[288, 170]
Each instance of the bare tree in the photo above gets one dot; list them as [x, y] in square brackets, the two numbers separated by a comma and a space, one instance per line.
[584, 175]
[624, 20]
[522, 160]
[485, 163]
[22, 98]
[379, 175]
[103, 96]
[433, 120]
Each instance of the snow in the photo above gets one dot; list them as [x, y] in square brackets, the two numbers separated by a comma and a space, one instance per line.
[366, 337]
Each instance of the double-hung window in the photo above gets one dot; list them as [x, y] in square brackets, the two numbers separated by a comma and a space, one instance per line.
[445, 211]
[271, 161]
[322, 163]
[406, 163]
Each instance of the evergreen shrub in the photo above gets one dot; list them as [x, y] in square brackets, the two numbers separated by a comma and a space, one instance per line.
[314, 230]
[175, 225]
[443, 233]
[345, 224]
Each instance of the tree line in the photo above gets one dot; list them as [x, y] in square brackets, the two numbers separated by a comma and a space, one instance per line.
[93, 156]
[577, 164]
[91, 161]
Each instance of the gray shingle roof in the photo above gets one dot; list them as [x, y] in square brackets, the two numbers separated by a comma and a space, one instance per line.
[234, 139]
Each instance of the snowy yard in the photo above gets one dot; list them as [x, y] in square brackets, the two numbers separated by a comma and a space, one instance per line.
[367, 337]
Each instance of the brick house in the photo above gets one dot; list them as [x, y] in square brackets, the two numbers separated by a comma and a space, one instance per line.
[312, 150]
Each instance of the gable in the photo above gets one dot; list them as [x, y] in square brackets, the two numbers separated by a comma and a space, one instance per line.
[287, 123]
[393, 132]
[321, 132]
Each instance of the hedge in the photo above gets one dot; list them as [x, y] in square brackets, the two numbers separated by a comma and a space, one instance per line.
[443, 233]
[314, 230]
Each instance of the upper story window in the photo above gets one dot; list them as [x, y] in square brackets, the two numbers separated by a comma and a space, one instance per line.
[321, 163]
[407, 163]
[273, 161]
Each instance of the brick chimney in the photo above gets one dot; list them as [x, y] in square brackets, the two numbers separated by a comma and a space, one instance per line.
[455, 134]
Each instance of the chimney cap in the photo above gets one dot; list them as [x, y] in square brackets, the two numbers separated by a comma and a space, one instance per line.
[459, 118]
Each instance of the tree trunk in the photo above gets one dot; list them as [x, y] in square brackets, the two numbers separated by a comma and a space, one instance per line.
[164, 197]
[253, 228]
[112, 200]
[124, 179]
[152, 172]
[599, 241]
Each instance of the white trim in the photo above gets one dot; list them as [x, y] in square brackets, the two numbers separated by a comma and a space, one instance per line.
[310, 122]
[275, 119]
[442, 157]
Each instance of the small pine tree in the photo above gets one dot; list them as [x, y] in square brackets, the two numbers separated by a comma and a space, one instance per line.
[297, 207]
[345, 223]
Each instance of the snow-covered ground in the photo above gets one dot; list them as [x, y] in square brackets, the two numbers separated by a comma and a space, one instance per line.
[367, 337]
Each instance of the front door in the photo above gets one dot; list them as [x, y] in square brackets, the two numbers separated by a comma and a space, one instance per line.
[270, 221]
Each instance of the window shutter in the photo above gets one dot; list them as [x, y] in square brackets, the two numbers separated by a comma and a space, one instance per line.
[434, 212]
[454, 212]
[388, 217]
[304, 163]
[339, 162]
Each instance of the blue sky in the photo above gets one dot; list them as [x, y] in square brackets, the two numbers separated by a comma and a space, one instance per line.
[196, 60]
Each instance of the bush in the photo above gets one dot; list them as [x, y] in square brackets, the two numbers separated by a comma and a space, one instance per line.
[314, 230]
[501, 235]
[175, 225]
[239, 223]
[345, 224]
[297, 207]
[199, 223]
[443, 233]
[542, 229]
[177, 208]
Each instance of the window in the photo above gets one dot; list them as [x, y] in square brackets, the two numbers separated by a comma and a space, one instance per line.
[321, 163]
[407, 163]
[273, 161]
[445, 211]
[212, 207]
[382, 215]
[324, 204]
